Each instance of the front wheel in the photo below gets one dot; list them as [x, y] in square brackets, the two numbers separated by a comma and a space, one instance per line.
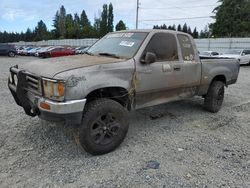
[104, 126]
[215, 96]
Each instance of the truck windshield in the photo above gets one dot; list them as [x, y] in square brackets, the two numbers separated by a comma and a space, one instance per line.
[118, 45]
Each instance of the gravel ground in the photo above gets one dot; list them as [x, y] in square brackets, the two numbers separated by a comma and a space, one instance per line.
[171, 145]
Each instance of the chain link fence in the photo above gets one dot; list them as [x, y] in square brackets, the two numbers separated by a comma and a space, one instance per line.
[222, 44]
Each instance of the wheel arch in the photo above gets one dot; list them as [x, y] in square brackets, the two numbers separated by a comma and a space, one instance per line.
[221, 78]
[118, 94]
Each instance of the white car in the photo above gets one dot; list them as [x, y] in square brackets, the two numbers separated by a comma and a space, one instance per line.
[43, 49]
[209, 54]
[243, 55]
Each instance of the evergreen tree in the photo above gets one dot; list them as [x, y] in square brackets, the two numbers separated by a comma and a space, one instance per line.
[232, 19]
[179, 28]
[202, 34]
[120, 26]
[69, 27]
[77, 26]
[29, 35]
[185, 28]
[41, 32]
[104, 21]
[195, 33]
[55, 31]
[164, 26]
[174, 27]
[110, 18]
[85, 25]
[156, 27]
[84, 20]
[61, 22]
[97, 27]
[189, 31]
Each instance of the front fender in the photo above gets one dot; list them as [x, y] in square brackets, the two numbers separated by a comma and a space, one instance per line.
[81, 82]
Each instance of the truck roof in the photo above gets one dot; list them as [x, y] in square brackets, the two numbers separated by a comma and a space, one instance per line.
[151, 31]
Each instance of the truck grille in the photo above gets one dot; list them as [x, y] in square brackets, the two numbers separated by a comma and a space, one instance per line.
[33, 84]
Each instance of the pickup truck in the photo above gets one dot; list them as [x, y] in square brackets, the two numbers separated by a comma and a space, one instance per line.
[123, 71]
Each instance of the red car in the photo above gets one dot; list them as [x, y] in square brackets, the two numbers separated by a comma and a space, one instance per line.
[57, 52]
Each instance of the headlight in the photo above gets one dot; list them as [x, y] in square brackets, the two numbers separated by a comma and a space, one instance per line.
[15, 79]
[54, 89]
[10, 78]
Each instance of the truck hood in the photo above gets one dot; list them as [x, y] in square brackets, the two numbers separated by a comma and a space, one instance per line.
[52, 66]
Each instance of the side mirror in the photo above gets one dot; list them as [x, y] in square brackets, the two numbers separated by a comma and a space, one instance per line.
[150, 58]
[243, 54]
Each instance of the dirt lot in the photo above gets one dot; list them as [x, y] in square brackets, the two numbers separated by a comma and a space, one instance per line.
[187, 146]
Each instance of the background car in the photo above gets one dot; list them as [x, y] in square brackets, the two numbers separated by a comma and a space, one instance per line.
[81, 50]
[208, 54]
[8, 49]
[24, 50]
[57, 52]
[243, 55]
[33, 51]
[43, 49]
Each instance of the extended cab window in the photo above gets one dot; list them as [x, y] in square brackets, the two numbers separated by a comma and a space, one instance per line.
[164, 46]
[186, 47]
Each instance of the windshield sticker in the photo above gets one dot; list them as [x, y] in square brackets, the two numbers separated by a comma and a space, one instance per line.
[189, 58]
[128, 35]
[126, 43]
[120, 35]
[186, 45]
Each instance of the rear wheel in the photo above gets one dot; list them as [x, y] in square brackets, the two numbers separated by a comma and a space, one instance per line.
[11, 54]
[104, 126]
[215, 96]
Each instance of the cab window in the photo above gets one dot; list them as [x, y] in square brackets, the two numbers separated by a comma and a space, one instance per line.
[164, 46]
[186, 47]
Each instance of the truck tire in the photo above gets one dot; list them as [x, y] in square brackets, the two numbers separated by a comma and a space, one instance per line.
[104, 126]
[215, 96]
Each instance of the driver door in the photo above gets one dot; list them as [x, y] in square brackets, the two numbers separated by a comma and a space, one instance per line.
[163, 80]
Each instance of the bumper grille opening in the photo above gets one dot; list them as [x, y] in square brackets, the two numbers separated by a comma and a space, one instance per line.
[33, 84]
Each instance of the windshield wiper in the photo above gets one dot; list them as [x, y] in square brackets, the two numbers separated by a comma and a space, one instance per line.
[88, 53]
[109, 54]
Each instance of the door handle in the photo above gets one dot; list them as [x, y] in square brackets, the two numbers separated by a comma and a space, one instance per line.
[177, 68]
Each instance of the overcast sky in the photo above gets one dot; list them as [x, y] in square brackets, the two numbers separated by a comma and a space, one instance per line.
[19, 15]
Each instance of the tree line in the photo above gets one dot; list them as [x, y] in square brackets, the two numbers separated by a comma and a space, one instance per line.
[186, 29]
[68, 26]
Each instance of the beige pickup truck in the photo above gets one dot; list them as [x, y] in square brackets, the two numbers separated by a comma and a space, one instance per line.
[122, 72]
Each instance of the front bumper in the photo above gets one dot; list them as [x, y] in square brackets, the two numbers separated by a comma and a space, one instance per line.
[70, 111]
[36, 105]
